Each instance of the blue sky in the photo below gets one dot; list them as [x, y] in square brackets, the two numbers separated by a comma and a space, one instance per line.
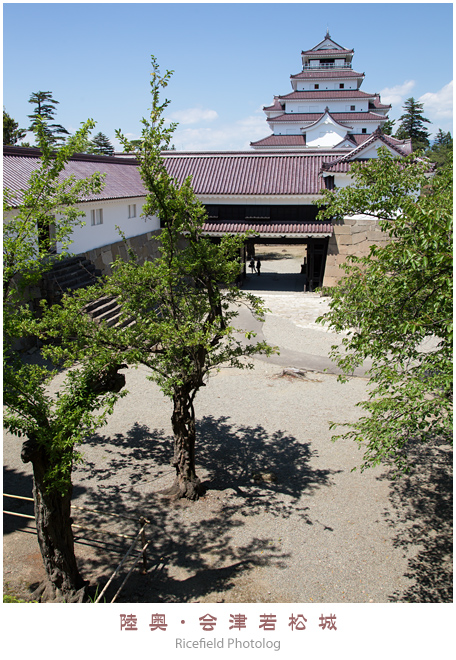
[229, 60]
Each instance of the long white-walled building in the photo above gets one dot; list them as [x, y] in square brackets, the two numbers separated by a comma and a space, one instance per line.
[270, 189]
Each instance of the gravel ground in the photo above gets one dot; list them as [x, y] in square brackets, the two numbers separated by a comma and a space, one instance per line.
[284, 519]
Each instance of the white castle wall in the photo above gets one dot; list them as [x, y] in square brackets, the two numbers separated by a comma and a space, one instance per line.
[115, 213]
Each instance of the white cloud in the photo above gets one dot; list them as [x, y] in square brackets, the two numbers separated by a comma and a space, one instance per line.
[438, 106]
[396, 95]
[232, 137]
[193, 115]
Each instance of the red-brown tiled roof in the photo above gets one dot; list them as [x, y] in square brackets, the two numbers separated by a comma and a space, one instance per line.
[339, 167]
[275, 106]
[356, 138]
[122, 176]
[222, 173]
[325, 94]
[281, 141]
[264, 229]
[338, 116]
[328, 52]
[249, 173]
[343, 163]
[376, 103]
[331, 73]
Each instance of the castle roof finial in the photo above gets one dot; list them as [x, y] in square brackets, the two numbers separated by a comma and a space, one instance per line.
[327, 36]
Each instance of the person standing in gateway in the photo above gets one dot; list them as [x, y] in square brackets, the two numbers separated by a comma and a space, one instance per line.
[258, 266]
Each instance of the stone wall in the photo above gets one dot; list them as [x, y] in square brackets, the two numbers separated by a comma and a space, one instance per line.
[352, 236]
[145, 246]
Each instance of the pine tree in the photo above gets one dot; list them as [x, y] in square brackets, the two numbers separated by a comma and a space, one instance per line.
[11, 131]
[412, 125]
[387, 128]
[101, 145]
[45, 108]
[442, 148]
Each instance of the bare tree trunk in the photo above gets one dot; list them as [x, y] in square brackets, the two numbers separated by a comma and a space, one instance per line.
[186, 483]
[55, 536]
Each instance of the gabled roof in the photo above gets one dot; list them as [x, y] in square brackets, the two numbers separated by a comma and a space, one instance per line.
[343, 163]
[329, 42]
[354, 139]
[326, 114]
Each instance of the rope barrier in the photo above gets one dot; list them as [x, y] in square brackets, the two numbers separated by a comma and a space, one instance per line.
[141, 533]
[119, 566]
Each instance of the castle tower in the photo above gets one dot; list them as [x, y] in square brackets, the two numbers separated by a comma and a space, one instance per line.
[326, 109]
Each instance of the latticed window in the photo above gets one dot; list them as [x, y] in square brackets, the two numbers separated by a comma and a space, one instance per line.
[212, 211]
[257, 213]
[329, 182]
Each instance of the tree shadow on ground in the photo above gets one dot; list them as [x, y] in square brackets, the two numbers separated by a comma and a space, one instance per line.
[197, 548]
[276, 282]
[262, 467]
[16, 482]
[278, 255]
[422, 515]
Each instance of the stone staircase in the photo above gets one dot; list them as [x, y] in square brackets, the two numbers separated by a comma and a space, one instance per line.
[68, 275]
[107, 309]
[76, 273]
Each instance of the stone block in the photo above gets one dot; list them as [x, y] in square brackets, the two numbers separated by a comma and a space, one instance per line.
[344, 240]
[340, 230]
[359, 238]
[106, 256]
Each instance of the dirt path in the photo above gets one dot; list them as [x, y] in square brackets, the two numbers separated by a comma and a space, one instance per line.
[284, 518]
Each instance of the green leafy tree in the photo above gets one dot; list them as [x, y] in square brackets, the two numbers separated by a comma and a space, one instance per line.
[388, 126]
[29, 213]
[11, 131]
[133, 145]
[101, 145]
[412, 125]
[178, 310]
[51, 425]
[45, 110]
[441, 151]
[396, 306]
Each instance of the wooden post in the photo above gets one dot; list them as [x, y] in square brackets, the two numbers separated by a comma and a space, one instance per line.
[144, 544]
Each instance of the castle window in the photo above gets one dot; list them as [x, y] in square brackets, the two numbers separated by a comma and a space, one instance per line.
[132, 210]
[96, 217]
[364, 130]
[212, 212]
[341, 85]
[329, 183]
[316, 86]
[352, 108]
[257, 213]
